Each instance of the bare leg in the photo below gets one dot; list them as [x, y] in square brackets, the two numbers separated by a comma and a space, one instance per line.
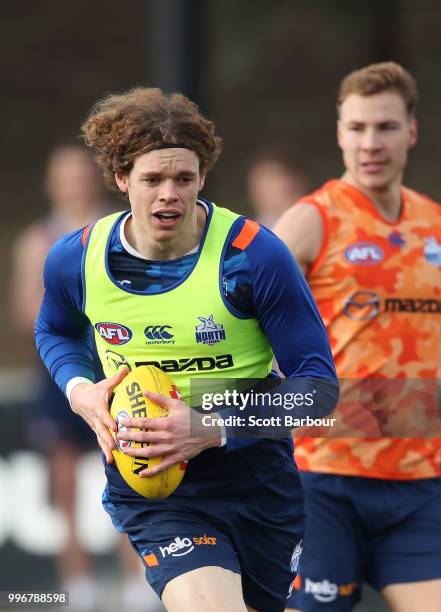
[63, 461]
[207, 589]
[424, 596]
[75, 565]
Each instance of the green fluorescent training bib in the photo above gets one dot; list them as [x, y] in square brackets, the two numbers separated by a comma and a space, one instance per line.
[187, 330]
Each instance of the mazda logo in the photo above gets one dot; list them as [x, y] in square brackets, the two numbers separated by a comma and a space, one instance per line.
[362, 305]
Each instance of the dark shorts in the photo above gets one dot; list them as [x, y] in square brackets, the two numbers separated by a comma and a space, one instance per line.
[365, 529]
[253, 532]
[52, 421]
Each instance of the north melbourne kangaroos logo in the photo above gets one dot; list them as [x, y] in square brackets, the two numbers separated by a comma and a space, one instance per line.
[115, 360]
[209, 332]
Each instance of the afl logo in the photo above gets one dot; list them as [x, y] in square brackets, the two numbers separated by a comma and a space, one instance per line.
[122, 444]
[364, 254]
[113, 333]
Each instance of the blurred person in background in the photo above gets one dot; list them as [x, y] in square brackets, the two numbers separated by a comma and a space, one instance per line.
[274, 183]
[74, 190]
[371, 251]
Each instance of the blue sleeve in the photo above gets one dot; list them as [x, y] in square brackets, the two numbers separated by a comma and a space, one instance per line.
[62, 331]
[288, 316]
[286, 310]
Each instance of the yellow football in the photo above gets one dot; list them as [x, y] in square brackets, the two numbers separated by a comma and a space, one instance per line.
[129, 401]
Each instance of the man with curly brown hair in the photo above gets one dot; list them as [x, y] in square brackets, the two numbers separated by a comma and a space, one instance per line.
[229, 537]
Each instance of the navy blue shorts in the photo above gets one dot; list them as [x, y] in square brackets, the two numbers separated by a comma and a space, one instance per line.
[255, 532]
[52, 421]
[365, 529]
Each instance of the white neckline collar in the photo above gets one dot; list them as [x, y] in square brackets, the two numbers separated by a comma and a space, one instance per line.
[132, 251]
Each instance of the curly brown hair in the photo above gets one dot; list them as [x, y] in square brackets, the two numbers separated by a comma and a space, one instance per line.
[377, 78]
[121, 127]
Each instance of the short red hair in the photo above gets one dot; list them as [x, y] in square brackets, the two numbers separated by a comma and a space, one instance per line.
[377, 78]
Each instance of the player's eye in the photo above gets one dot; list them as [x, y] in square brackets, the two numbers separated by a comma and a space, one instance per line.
[389, 126]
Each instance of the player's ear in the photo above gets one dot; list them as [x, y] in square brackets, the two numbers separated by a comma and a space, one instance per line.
[121, 181]
[202, 176]
[413, 132]
[339, 133]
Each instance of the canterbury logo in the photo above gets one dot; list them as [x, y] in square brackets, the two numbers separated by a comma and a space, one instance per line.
[158, 332]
